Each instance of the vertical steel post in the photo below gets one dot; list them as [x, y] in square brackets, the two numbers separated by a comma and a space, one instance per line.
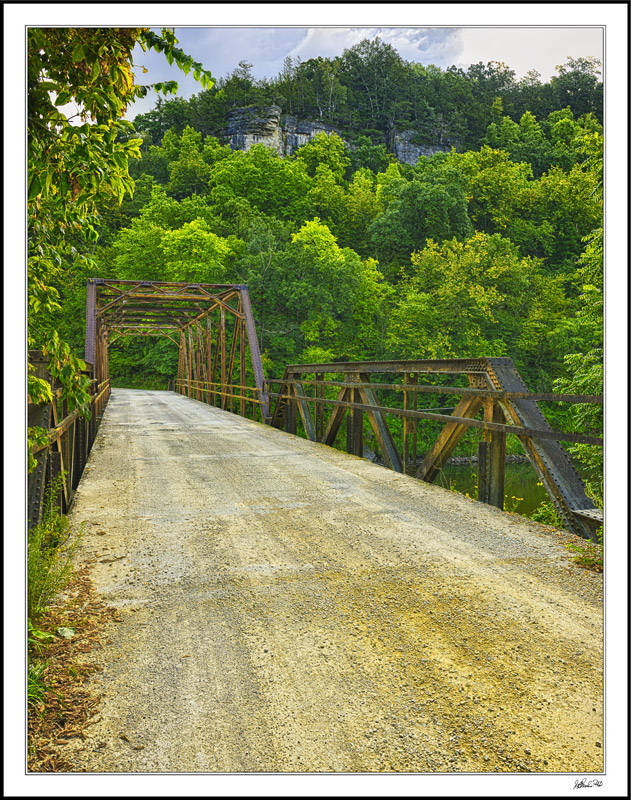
[233, 352]
[413, 381]
[291, 409]
[90, 323]
[483, 471]
[209, 367]
[222, 333]
[497, 459]
[355, 421]
[255, 354]
[491, 459]
[319, 408]
[198, 355]
[191, 376]
[406, 403]
[213, 377]
[242, 376]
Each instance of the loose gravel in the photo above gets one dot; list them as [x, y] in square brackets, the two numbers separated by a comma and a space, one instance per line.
[286, 607]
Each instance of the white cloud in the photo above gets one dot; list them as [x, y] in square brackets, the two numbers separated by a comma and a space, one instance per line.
[221, 48]
[523, 49]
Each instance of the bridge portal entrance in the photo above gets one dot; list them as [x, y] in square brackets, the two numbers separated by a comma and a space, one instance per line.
[212, 325]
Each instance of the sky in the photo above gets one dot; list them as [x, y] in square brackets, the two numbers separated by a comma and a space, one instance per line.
[221, 48]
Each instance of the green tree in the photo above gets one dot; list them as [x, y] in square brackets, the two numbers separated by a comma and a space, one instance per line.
[373, 72]
[190, 173]
[366, 155]
[326, 149]
[585, 367]
[194, 253]
[472, 299]
[419, 210]
[267, 182]
[74, 162]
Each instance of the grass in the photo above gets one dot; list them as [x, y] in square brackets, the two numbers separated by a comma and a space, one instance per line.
[37, 687]
[51, 547]
[589, 554]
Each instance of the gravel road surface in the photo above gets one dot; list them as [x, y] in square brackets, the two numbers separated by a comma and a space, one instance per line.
[289, 608]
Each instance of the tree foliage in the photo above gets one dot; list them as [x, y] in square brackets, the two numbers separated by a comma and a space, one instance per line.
[77, 160]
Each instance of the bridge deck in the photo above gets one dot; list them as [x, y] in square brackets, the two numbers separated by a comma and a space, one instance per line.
[287, 607]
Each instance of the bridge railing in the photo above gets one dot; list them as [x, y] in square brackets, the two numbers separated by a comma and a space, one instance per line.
[247, 401]
[70, 439]
[495, 391]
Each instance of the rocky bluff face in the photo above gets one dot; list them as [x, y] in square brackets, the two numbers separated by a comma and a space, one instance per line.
[408, 153]
[267, 125]
[285, 133]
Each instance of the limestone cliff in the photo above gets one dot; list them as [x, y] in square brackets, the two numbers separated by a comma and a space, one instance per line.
[285, 134]
[407, 152]
[253, 125]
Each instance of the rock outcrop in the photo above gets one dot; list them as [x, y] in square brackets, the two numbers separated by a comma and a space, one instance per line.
[285, 134]
[297, 132]
[254, 125]
[408, 153]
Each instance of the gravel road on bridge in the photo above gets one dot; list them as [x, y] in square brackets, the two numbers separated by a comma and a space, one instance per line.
[289, 608]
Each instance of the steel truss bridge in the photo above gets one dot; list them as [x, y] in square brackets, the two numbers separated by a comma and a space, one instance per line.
[219, 363]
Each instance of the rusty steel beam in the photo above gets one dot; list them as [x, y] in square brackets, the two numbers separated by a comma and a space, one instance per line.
[233, 352]
[380, 427]
[518, 430]
[340, 404]
[355, 422]
[222, 329]
[305, 411]
[449, 365]
[242, 375]
[448, 438]
[551, 462]
[459, 390]
[90, 322]
[255, 354]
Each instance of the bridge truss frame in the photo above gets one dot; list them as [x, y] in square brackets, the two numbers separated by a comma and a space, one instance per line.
[214, 328]
[495, 389]
[212, 354]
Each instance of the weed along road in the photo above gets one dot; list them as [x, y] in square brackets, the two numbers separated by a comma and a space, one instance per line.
[285, 607]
